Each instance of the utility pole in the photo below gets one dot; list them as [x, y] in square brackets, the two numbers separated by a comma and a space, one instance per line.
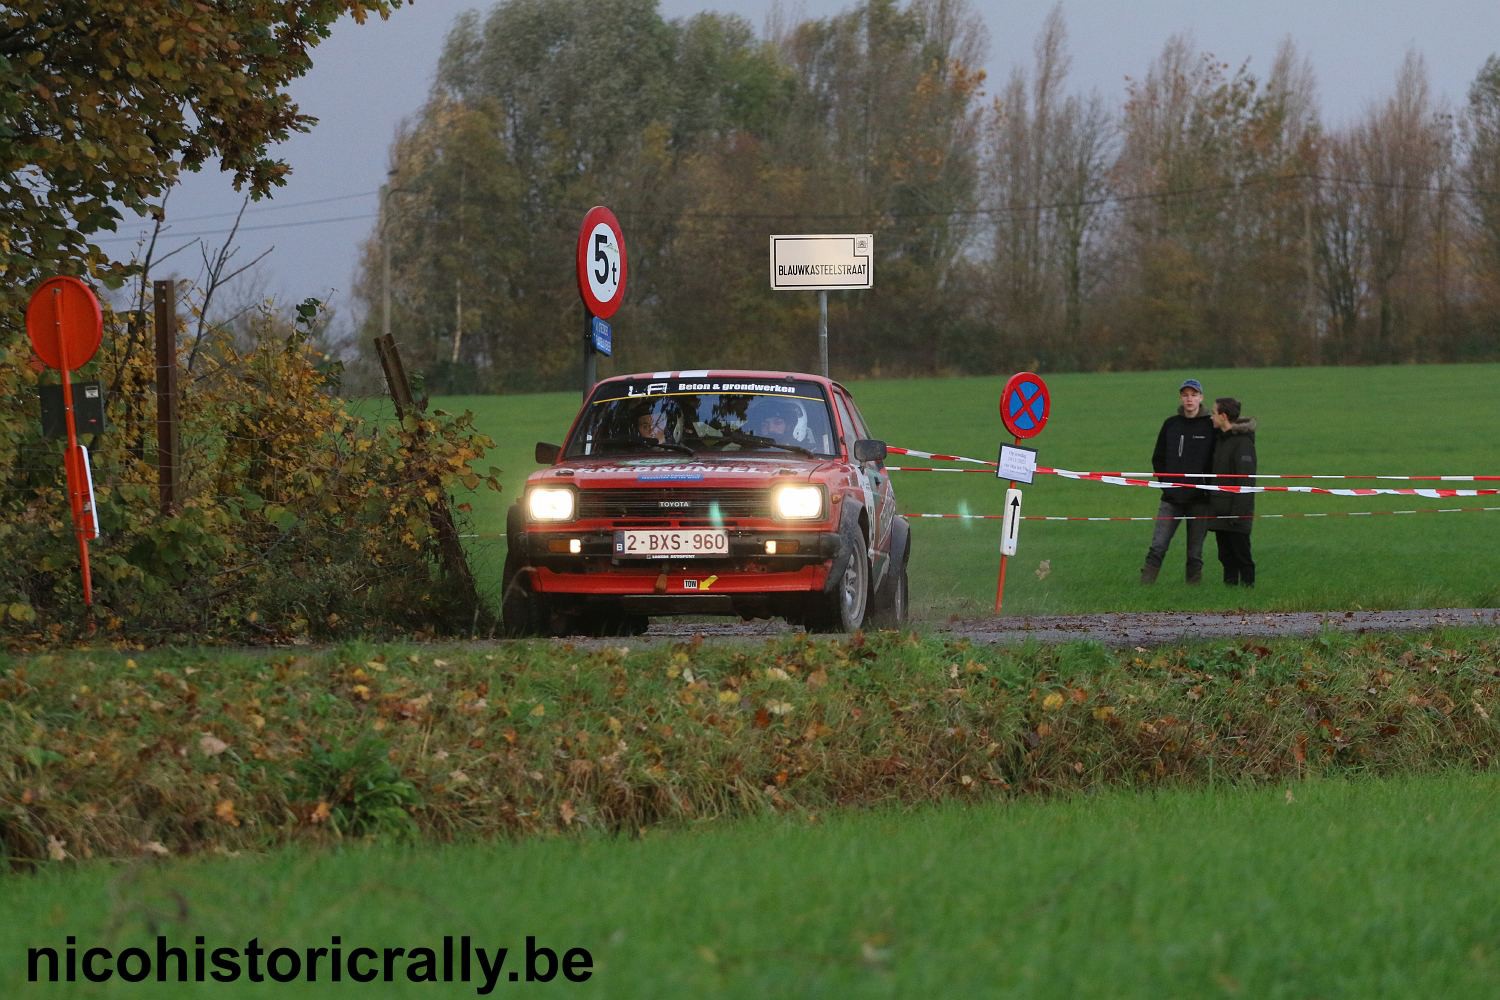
[385, 266]
[458, 278]
[385, 252]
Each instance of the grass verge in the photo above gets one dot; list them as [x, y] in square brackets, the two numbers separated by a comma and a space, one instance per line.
[106, 756]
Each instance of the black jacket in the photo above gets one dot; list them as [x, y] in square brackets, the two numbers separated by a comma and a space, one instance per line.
[1234, 452]
[1185, 444]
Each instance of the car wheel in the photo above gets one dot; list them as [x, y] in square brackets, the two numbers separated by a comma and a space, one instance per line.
[844, 609]
[522, 613]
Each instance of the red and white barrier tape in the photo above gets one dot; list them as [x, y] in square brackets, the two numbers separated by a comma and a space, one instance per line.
[1173, 477]
[1120, 479]
[1210, 517]
[1359, 491]
[936, 458]
[1267, 475]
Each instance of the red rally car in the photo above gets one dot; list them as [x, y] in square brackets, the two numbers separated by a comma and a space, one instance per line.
[747, 493]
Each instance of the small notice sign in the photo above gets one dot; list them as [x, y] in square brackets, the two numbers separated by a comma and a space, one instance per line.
[602, 334]
[1016, 464]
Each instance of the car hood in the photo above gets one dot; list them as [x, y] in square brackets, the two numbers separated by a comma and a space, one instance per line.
[669, 471]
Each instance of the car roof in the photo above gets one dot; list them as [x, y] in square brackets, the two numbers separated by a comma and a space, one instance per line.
[724, 373]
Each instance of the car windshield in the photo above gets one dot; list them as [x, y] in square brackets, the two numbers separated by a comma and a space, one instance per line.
[705, 415]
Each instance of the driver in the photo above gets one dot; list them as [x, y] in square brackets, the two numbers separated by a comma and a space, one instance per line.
[651, 426]
[778, 421]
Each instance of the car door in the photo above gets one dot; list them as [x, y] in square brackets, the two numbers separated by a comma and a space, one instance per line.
[874, 481]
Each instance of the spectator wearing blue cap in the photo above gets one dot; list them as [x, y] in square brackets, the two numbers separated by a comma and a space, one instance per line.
[1184, 451]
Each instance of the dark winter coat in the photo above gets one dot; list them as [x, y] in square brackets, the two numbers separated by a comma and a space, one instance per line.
[1234, 452]
[1185, 444]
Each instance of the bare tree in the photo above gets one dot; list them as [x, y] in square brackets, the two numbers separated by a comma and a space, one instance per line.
[1341, 246]
[1047, 167]
[1479, 173]
[1401, 148]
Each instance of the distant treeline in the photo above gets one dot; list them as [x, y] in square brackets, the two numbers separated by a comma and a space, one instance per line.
[1203, 217]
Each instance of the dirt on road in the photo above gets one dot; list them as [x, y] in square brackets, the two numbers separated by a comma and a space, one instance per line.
[1122, 629]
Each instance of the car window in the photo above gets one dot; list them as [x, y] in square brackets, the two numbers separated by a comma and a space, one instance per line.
[702, 415]
[861, 429]
[851, 434]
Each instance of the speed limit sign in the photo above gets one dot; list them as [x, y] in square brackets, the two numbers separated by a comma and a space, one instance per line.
[601, 262]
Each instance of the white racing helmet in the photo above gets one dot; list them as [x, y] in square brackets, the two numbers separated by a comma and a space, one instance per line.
[792, 412]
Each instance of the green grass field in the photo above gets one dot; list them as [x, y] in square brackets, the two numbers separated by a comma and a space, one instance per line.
[1367, 888]
[1415, 420]
[1353, 887]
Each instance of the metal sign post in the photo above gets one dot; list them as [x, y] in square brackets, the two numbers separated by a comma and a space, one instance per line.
[1025, 405]
[65, 325]
[821, 263]
[823, 329]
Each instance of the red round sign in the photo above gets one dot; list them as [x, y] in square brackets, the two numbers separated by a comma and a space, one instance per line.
[1025, 404]
[601, 262]
[64, 323]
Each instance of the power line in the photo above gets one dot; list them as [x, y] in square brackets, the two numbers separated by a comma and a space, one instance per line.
[254, 209]
[244, 229]
[1225, 188]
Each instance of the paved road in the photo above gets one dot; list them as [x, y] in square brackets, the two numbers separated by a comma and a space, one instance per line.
[1125, 629]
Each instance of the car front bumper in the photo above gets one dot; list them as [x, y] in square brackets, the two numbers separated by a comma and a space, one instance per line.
[748, 569]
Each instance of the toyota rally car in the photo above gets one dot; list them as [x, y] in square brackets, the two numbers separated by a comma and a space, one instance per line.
[745, 493]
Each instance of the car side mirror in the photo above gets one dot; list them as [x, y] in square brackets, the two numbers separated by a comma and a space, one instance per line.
[869, 450]
[546, 454]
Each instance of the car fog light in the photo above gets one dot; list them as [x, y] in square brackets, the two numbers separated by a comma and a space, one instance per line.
[575, 545]
[771, 547]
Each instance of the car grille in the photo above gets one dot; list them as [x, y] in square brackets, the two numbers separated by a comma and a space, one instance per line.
[708, 506]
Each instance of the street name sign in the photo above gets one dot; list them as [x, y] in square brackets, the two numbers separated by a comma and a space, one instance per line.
[822, 263]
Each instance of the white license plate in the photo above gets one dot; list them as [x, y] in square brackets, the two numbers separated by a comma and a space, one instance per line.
[675, 544]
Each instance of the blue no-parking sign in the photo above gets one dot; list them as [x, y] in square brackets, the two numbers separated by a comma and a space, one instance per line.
[1025, 404]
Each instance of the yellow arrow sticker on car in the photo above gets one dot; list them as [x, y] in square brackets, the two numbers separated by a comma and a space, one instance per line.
[705, 584]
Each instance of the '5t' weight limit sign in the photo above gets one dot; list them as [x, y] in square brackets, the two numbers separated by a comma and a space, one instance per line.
[601, 262]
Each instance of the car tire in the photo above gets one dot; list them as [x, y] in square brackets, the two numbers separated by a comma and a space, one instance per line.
[522, 612]
[889, 608]
[844, 609]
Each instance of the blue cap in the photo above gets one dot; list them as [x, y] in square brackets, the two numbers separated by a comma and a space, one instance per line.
[1192, 383]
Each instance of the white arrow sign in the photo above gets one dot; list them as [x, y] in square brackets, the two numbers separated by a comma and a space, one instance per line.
[1012, 522]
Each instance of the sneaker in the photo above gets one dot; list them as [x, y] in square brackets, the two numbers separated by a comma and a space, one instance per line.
[1148, 574]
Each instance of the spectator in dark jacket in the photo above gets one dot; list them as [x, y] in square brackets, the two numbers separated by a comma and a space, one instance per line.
[1234, 460]
[1184, 447]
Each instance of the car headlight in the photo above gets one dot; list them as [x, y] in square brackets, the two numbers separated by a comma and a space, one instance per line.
[543, 504]
[797, 503]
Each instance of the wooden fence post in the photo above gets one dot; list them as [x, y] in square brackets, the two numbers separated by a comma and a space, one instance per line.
[440, 517]
[164, 293]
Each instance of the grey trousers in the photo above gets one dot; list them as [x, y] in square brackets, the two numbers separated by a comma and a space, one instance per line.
[1166, 527]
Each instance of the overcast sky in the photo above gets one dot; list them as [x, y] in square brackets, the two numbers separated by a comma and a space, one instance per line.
[365, 79]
